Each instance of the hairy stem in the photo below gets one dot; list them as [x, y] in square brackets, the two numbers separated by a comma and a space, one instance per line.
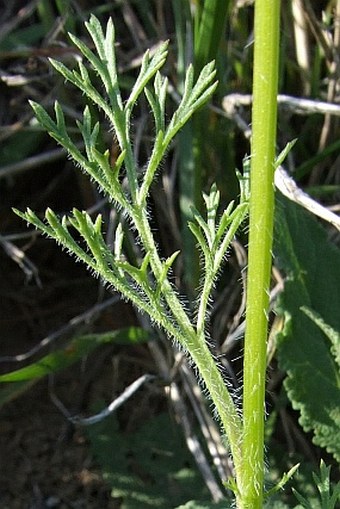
[261, 214]
[198, 350]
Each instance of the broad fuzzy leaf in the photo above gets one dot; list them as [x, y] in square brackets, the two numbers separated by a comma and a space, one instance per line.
[312, 265]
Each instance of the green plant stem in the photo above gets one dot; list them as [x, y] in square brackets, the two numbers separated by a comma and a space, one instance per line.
[146, 285]
[197, 347]
[264, 113]
[199, 38]
[222, 400]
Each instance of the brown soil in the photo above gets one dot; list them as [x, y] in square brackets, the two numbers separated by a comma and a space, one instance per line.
[45, 462]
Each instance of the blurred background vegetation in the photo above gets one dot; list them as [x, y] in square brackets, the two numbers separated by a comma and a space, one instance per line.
[47, 300]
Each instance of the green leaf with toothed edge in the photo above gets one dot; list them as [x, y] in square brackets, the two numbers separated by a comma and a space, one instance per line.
[308, 346]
